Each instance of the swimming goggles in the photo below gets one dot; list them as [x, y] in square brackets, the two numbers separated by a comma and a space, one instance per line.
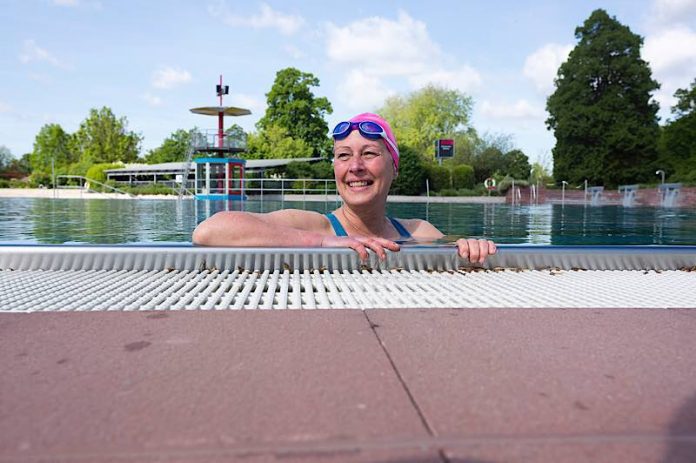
[368, 129]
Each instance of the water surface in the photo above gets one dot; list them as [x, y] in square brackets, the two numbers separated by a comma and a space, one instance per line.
[114, 221]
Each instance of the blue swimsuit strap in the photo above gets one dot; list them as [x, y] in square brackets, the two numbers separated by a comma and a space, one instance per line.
[340, 231]
[338, 228]
[400, 228]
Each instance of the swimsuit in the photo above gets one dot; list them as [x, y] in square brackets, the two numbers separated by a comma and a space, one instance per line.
[340, 231]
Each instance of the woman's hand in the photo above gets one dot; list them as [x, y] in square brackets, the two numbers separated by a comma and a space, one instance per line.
[361, 245]
[475, 250]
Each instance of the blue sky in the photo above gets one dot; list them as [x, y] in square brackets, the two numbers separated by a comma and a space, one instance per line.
[153, 60]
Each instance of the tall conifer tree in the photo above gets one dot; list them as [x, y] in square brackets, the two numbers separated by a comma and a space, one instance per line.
[601, 112]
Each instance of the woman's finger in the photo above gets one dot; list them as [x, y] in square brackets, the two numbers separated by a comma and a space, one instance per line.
[492, 248]
[376, 247]
[474, 251]
[360, 249]
[484, 250]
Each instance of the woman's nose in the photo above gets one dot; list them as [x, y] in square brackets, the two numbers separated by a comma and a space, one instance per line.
[356, 163]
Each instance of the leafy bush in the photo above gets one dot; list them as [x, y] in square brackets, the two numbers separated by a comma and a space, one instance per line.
[462, 177]
[4, 183]
[38, 178]
[411, 178]
[152, 189]
[439, 177]
[98, 171]
[17, 183]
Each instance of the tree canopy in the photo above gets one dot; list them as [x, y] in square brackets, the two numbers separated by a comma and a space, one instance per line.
[601, 111]
[274, 143]
[422, 117]
[678, 137]
[103, 138]
[293, 107]
[174, 148]
[5, 157]
[52, 145]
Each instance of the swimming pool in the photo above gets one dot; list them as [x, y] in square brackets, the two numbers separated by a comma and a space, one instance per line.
[109, 221]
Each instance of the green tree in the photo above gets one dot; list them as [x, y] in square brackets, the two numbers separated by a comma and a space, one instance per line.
[236, 133]
[6, 158]
[540, 174]
[487, 163]
[601, 112]
[517, 165]
[411, 177]
[51, 145]
[678, 137]
[274, 142]
[104, 138]
[293, 107]
[463, 177]
[174, 148]
[426, 115]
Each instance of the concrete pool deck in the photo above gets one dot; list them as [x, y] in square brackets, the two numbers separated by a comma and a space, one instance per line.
[408, 385]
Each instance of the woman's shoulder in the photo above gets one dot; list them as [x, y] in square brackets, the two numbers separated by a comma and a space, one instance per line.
[298, 218]
[421, 229]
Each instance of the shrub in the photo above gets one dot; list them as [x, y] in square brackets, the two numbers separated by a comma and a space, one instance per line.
[152, 189]
[98, 171]
[411, 178]
[462, 177]
[17, 183]
[439, 177]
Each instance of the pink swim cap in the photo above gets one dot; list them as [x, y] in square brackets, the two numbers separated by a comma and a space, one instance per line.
[387, 128]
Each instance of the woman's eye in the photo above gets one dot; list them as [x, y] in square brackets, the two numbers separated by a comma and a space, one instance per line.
[342, 156]
[370, 154]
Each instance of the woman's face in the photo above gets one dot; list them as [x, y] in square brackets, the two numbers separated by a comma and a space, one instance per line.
[363, 168]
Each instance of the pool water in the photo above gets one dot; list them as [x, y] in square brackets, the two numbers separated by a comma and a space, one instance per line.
[113, 221]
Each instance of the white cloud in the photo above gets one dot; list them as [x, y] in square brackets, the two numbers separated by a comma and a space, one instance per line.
[465, 78]
[381, 46]
[520, 110]
[294, 52]
[667, 11]
[241, 100]
[361, 90]
[670, 49]
[371, 50]
[167, 78]
[542, 66]
[5, 108]
[41, 78]
[152, 100]
[671, 53]
[267, 18]
[31, 52]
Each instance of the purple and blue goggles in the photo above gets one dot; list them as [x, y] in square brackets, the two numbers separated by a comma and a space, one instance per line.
[367, 129]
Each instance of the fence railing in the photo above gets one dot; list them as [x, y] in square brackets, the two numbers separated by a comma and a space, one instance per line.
[283, 186]
[84, 183]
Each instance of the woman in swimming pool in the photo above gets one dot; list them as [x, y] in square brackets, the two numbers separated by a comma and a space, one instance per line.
[366, 161]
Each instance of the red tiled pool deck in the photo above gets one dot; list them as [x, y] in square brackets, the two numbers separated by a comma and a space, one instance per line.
[389, 386]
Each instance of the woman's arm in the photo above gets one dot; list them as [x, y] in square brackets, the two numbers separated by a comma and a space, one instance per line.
[284, 228]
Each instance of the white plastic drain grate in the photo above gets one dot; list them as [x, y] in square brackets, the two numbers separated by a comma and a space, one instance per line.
[128, 290]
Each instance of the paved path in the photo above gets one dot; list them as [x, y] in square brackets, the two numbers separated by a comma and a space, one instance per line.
[391, 386]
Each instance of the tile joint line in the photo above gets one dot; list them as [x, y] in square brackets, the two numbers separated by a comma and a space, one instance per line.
[411, 398]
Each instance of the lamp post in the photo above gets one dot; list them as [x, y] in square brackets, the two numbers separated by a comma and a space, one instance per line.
[662, 173]
[563, 187]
